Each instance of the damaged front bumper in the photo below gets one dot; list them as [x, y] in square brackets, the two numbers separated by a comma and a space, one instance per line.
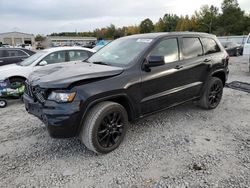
[61, 119]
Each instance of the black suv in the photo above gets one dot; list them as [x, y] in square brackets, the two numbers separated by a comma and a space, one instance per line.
[14, 55]
[128, 79]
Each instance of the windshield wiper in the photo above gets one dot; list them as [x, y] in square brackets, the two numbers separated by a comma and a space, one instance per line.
[100, 63]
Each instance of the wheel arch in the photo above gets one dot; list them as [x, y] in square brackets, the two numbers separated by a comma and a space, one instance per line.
[17, 77]
[121, 99]
[221, 75]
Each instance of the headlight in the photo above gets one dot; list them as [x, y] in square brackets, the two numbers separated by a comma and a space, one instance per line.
[61, 97]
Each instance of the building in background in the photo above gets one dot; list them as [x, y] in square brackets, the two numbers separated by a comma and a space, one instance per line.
[17, 38]
[69, 40]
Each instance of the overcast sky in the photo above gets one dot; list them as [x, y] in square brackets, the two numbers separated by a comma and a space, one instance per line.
[47, 16]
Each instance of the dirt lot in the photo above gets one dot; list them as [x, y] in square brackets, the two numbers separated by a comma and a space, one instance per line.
[181, 147]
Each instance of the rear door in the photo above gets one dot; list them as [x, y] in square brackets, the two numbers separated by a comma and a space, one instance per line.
[194, 67]
[212, 52]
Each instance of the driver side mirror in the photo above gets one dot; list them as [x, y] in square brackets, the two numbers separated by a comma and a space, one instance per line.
[43, 63]
[155, 61]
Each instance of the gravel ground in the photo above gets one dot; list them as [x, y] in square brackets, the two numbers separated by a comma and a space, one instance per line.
[181, 147]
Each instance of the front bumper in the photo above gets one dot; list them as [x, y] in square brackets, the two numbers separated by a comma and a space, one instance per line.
[62, 120]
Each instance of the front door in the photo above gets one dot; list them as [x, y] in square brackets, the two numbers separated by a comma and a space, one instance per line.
[160, 84]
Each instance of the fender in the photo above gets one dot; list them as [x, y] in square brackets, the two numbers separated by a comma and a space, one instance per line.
[211, 75]
[108, 98]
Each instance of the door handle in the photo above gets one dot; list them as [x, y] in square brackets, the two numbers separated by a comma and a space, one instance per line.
[178, 67]
[207, 60]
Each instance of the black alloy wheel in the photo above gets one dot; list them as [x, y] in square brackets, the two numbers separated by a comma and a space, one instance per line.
[212, 95]
[110, 129]
[215, 94]
[105, 127]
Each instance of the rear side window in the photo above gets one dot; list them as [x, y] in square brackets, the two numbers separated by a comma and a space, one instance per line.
[78, 55]
[248, 41]
[192, 48]
[210, 46]
[167, 48]
[15, 53]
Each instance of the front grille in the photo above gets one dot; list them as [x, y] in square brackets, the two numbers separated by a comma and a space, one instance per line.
[35, 92]
[28, 89]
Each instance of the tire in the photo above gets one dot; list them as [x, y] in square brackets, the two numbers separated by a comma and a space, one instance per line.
[104, 127]
[3, 103]
[212, 95]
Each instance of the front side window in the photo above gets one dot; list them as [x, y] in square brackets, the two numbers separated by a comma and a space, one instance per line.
[192, 47]
[32, 58]
[168, 49]
[78, 55]
[55, 57]
[210, 46]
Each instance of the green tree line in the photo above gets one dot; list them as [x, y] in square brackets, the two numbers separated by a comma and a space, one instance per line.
[231, 20]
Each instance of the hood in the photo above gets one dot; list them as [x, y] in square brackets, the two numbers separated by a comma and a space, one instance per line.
[63, 75]
[9, 70]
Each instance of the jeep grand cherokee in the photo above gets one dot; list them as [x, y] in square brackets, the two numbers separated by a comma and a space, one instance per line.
[128, 79]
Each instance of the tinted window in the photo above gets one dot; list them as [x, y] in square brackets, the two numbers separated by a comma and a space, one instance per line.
[192, 48]
[210, 46]
[167, 48]
[15, 53]
[55, 57]
[78, 55]
[21, 53]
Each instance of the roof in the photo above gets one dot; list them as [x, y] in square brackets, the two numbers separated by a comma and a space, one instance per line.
[16, 32]
[4, 48]
[162, 34]
[70, 38]
[68, 48]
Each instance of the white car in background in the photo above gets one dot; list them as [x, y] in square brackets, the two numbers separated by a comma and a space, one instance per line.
[18, 73]
[246, 49]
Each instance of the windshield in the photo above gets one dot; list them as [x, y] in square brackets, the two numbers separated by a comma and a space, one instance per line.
[32, 58]
[120, 52]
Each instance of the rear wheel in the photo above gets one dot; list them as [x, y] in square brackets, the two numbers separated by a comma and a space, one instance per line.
[105, 127]
[212, 95]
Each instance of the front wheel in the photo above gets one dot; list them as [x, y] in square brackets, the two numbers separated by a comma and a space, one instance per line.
[105, 127]
[3, 103]
[212, 95]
